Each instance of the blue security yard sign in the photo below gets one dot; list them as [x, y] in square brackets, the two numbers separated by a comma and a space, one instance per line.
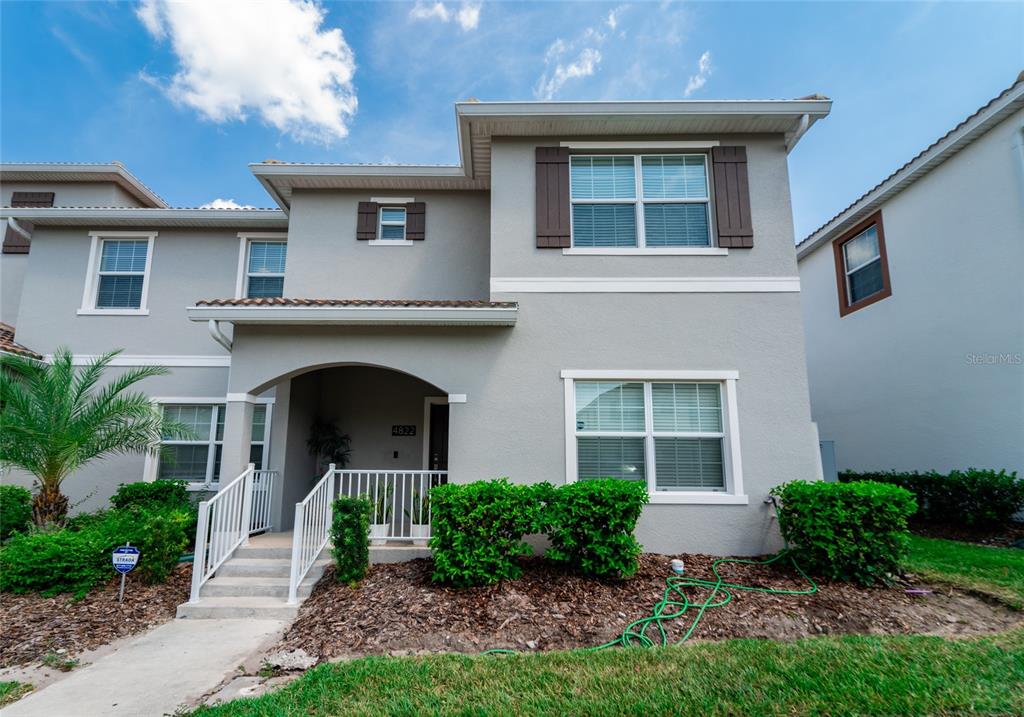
[125, 558]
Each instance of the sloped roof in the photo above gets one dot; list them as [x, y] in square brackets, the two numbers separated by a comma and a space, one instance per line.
[81, 172]
[369, 303]
[9, 346]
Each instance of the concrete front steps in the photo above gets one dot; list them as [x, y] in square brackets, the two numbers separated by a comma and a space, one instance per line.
[253, 583]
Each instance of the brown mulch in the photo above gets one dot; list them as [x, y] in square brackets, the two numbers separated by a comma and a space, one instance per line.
[397, 610]
[32, 625]
[1002, 537]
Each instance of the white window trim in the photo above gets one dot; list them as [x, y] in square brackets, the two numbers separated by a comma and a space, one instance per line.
[380, 240]
[732, 460]
[92, 276]
[151, 467]
[244, 240]
[638, 202]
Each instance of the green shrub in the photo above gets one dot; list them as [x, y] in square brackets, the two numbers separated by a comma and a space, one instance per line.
[591, 523]
[350, 535]
[855, 532]
[15, 510]
[478, 529]
[77, 559]
[160, 496]
[973, 498]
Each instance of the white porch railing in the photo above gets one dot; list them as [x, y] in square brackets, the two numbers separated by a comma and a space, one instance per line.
[312, 529]
[228, 519]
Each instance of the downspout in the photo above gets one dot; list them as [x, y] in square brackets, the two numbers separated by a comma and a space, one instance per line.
[805, 123]
[13, 224]
[219, 336]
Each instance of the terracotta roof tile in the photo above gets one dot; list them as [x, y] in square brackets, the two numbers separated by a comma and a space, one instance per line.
[10, 346]
[368, 303]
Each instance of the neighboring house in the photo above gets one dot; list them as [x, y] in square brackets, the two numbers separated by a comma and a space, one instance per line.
[597, 289]
[913, 304]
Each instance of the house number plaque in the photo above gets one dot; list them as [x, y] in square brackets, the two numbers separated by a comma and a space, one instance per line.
[403, 430]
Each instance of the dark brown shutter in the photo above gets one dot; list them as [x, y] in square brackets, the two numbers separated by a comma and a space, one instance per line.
[732, 198]
[553, 198]
[366, 226]
[416, 221]
[32, 199]
[14, 242]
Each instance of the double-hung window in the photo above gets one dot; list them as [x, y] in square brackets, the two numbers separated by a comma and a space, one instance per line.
[672, 434]
[862, 270]
[118, 276]
[196, 459]
[392, 224]
[640, 201]
[264, 270]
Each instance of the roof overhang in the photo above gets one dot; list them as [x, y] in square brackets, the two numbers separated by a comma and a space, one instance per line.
[959, 138]
[479, 122]
[61, 172]
[273, 219]
[356, 315]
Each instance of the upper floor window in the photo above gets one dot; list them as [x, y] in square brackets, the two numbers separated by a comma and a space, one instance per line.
[640, 201]
[261, 264]
[118, 275]
[862, 271]
[392, 224]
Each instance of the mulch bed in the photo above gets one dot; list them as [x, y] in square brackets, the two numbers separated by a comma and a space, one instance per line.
[32, 625]
[397, 610]
[1002, 537]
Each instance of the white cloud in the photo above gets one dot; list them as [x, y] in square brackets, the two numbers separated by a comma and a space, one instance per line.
[703, 72]
[219, 203]
[273, 58]
[467, 15]
[583, 66]
[612, 21]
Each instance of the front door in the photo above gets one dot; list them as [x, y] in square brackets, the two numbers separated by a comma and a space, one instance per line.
[437, 440]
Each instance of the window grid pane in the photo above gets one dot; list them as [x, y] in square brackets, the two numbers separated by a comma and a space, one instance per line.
[602, 177]
[184, 462]
[866, 281]
[259, 422]
[676, 225]
[119, 291]
[674, 177]
[267, 257]
[862, 249]
[604, 225]
[687, 407]
[265, 286]
[610, 457]
[127, 256]
[609, 406]
[392, 231]
[392, 214]
[689, 464]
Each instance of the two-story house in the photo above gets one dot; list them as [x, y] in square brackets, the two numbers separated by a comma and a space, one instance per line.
[914, 306]
[597, 289]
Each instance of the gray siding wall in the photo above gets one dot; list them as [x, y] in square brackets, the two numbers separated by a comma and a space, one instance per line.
[73, 194]
[325, 260]
[894, 384]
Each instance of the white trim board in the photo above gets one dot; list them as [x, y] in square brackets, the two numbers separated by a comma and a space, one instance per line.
[651, 144]
[647, 251]
[429, 401]
[146, 360]
[644, 284]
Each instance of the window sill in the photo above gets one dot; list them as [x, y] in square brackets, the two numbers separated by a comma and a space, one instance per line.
[390, 242]
[698, 499]
[113, 312]
[652, 251]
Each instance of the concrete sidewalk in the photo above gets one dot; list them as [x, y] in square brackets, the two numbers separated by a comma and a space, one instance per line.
[155, 674]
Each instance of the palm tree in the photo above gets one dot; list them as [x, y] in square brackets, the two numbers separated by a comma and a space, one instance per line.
[54, 419]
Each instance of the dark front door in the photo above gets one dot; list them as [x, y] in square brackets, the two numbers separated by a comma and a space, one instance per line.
[437, 454]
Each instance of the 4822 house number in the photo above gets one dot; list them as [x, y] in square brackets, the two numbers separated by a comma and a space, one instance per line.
[403, 430]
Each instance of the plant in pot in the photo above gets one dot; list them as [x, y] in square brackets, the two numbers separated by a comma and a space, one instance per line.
[380, 521]
[419, 518]
[328, 444]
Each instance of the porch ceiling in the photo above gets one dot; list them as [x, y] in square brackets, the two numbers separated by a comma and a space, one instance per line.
[356, 312]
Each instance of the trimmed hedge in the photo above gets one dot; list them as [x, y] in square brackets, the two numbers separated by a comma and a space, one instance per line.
[974, 498]
[77, 559]
[156, 496]
[855, 532]
[15, 510]
[478, 529]
[350, 530]
[591, 523]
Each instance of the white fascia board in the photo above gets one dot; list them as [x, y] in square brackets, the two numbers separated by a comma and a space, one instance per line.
[214, 218]
[797, 108]
[357, 170]
[356, 316]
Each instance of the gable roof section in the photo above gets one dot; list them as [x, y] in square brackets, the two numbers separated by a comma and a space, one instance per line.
[9, 346]
[946, 147]
[478, 122]
[136, 217]
[81, 172]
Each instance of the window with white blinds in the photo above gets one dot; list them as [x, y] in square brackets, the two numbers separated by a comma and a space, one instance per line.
[640, 201]
[670, 435]
[264, 271]
[122, 274]
[196, 459]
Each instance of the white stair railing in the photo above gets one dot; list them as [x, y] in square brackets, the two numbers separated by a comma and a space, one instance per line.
[312, 530]
[262, 501]
[224, 524]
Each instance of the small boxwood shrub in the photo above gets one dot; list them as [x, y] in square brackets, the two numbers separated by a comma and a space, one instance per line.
[350, 530]
[155, 496]
[478, 528]
[855, 532]
[591, 523]
[77, 559]
[973, 498]
[15, 510]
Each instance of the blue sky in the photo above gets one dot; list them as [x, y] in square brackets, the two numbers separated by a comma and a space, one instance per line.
[187, 95]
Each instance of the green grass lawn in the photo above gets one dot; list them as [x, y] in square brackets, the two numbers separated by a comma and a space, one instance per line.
[11, 691]
[995, 571]
[817, 676]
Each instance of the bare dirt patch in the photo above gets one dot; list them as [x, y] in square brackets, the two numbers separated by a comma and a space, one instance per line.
[32, 626]
[397, 610]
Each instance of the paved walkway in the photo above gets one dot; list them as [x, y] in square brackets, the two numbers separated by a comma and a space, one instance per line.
[154, 674]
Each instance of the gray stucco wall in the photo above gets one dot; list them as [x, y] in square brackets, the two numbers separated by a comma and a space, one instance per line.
[73, 194]
[12, 280]
[907, 383]
[325, 260]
